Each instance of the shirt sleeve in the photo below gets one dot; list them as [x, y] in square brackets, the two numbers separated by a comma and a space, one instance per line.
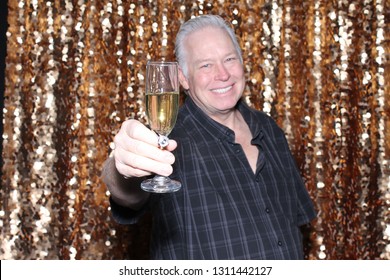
[305, 207]
[306, 210]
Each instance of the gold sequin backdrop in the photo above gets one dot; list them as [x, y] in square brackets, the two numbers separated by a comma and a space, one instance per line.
[74, 72]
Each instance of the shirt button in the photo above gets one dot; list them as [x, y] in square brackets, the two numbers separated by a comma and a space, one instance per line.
[267, 210]
[280, 243]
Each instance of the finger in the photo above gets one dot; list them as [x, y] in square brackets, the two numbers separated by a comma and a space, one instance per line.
[130, 164]
[128, 171]
[136, 130]
[152, 152]
[136, 155]
[172, 145]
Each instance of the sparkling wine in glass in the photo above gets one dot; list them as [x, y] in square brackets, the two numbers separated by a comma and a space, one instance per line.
[162, 105]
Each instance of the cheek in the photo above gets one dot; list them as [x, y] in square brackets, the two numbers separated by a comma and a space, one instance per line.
[241, 77]
[201, 81]
[238, 71]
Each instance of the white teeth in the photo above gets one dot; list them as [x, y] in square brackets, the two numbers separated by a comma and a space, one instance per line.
[222, 90]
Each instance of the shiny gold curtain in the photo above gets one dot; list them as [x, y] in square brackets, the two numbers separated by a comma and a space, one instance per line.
[74, 72]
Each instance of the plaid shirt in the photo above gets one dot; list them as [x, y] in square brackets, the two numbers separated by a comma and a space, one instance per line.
[224, 210]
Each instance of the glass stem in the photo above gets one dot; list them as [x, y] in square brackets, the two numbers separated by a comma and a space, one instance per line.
[160, 180]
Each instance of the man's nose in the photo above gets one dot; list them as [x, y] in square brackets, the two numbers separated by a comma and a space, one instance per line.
[222, 73]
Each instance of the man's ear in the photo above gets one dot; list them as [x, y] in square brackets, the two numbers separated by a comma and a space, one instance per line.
[183, 80]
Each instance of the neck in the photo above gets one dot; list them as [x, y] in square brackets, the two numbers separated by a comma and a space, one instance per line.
[231, 119]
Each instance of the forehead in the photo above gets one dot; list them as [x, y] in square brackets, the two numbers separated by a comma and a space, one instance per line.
[208, 41]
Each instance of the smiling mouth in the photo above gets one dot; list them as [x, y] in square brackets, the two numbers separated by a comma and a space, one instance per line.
[222, 90]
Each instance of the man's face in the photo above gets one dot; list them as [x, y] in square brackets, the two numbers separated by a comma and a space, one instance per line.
[215, 77]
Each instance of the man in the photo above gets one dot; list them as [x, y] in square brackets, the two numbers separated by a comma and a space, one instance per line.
[242, 196]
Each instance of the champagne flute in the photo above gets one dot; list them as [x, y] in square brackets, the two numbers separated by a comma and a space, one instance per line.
[162, 105]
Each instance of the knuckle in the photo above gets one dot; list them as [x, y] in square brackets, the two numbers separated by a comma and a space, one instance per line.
[121, 168]
[132, 128]
[118, 139]
[117, 154]
[137, 147]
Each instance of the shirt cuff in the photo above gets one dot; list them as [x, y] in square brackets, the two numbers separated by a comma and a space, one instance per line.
[124, 215]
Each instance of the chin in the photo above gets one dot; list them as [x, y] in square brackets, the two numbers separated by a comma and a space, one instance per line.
[226, 106]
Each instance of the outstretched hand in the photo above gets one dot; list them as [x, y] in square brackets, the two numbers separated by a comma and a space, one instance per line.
[137, 152]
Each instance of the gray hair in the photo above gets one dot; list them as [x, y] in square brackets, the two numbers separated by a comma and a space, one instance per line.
[196, 24]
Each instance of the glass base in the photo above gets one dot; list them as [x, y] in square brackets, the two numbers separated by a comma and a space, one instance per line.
[160, 184]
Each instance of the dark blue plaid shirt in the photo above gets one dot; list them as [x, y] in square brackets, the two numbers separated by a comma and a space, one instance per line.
[224, 210]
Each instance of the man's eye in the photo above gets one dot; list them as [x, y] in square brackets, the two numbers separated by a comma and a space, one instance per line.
[205, 66]
[231, 58]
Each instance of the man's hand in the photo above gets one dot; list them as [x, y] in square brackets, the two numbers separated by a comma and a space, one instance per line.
[137, 153]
